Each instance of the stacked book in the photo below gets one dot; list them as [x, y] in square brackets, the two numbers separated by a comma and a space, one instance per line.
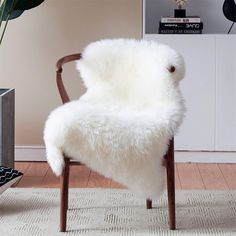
[186, 25]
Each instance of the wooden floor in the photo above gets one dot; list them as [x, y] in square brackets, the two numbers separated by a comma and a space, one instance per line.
[188, 176]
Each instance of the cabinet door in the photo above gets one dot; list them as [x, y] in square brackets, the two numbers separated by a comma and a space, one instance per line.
[225, 93]
[198, 87]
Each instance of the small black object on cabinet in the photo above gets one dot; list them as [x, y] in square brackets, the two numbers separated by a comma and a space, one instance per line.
[229, 10]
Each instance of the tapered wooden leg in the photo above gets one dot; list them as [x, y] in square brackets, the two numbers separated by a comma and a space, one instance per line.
[64, 195]
[149, 204]
[171, 184]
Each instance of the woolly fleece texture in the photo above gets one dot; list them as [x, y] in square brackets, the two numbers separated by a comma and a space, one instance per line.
[122, 125]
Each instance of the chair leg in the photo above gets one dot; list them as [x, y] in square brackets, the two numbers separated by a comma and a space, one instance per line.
[171, 185]
[64, 195]
[149, 203]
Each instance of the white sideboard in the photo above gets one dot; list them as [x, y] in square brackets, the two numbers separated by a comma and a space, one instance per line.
[209, 89]
[208, 133]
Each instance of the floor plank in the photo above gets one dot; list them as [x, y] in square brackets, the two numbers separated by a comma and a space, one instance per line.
[189, 176]
[50, 180]
[234, 167]
[212, 176]
[22, 166]
[114, 184]
[229, 174]
[38, 169]
[98, 181]
[79, 176]
[30, 182]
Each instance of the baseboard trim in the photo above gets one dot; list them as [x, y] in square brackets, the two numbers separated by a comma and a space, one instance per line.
[30, 153]
[37, 153]
[205, 157]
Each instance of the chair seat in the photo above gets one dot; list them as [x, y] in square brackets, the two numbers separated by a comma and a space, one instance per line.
[124, 144]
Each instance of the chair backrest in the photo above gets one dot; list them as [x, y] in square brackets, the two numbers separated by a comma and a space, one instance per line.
[130, 74]
[135, 73]
[63, 93]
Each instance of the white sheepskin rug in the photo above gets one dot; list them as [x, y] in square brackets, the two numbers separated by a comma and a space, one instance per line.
[122, 125]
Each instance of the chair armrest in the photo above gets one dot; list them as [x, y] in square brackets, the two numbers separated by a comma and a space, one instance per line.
[63, 93]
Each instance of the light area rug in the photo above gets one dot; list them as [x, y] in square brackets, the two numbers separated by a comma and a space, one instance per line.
[115, 212]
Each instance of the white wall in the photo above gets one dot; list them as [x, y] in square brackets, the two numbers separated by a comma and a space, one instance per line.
[40, 36]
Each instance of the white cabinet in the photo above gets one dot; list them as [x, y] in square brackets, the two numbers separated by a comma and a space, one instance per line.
[209, 89]
[225, 136]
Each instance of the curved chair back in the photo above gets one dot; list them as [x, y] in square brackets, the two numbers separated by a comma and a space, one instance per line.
[63, 93]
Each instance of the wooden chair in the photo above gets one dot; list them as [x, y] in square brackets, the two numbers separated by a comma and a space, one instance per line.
[64, 179]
